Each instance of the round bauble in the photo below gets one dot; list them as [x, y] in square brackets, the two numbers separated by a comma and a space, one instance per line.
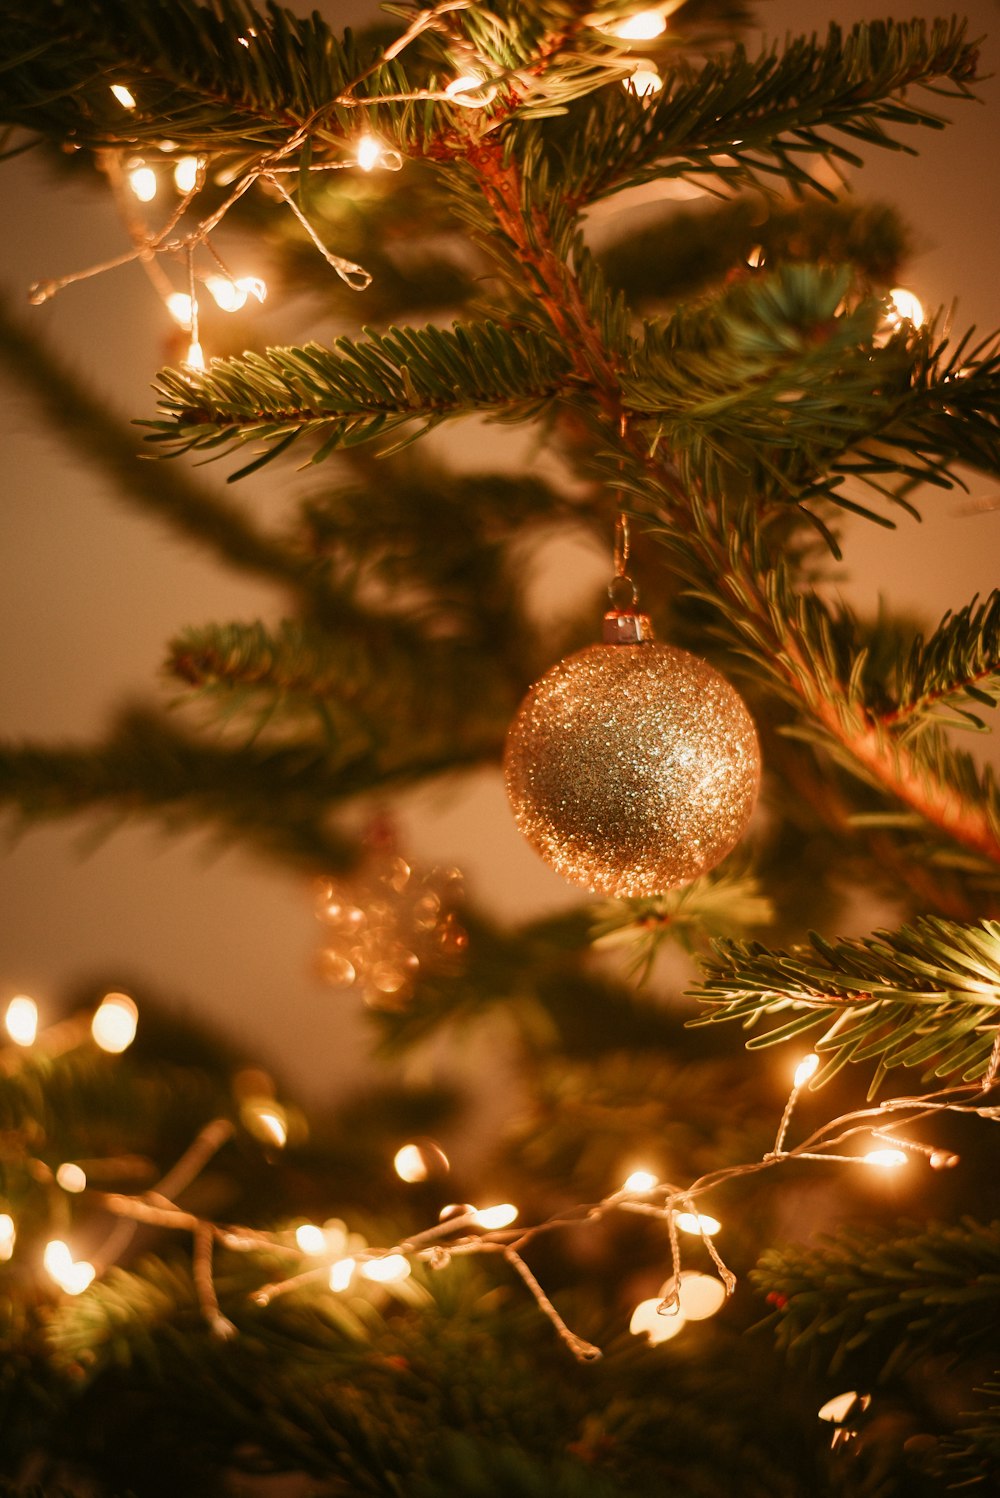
[632, 768]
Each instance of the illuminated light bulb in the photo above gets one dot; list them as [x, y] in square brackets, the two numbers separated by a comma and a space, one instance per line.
[186, 173]
[252, 286]
[460, 89]
[409, 1164]
[71, 1177]
[393, 1267]
[943, 1160]
[641, 27]
[8, 1234]
[905, 307]
[195, 356]
[76, 1278]
[310, 1238]
[701, 1295]
[369, 152]
[115, 1022]
[124, 95]
[756, 257]
[341, 1274]
[142, 180]
[456, 1209]
[644, 81]
[21, 1020]
[887, 1159]
[57, 1258]
[272, 1125]
[640, 1181]
[647, 1320]
[840, 1406]
[500, 1216]
[806, 1068]
[228, 295]
[179, 306]
[699, 1223]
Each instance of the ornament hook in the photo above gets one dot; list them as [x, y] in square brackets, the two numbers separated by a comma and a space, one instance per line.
[624, 624]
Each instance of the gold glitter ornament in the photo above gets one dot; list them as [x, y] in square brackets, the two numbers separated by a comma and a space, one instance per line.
[631, 766]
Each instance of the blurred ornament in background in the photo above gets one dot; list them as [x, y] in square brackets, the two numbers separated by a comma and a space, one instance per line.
[388, 923]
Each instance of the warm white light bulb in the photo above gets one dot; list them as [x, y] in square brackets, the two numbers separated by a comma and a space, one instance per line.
[341, 1274]
[21, 1020]
[186, 173]
[701, 1295]
[115, 1022]
[644, 81]
[647, 1320]
[228, 295]
[8, 1234]
[272, 1123]
[640, 27]
[409, 1164]
[386, 1270]
[492, 1218]
[77, 1277]
[887, 1159]
[369, 152]
[253, 286]
[840, 1406]
[906, 307]
[699, 1223]
[142, 180]
[195, 356]
[806, 1068]
[640, 1181]
[179, 307]
[124, 95]
[57, 1258]
[310, 1238]
[71, 1177]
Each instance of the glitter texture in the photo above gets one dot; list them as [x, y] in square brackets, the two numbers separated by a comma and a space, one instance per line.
[631, 769]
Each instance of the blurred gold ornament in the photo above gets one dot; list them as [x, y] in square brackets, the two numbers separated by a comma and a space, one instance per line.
[631, 766]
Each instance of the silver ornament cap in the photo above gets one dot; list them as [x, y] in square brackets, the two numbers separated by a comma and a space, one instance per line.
[632, 767]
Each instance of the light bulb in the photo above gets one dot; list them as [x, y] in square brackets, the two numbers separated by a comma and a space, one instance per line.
[57, 1257]
[142, 180]
[496, 1217]
[806, 1068]
[386, 1270]
[115, 1022]
[644, 81]
[124, 95]
[195, 356]
[699, 1223]
[71, 1177]
[341, 1274]
[77, 1277]
[905, 307]
[887, 1159]
[640, 27]
[252, 286]
[186, 173]
[368, 153]
[272, 1124]
[840, 1406]
[646, 1319]
[310, 1238]
[21, 1020]
[409, 1164]
[640, 1181]
[228, 295]
[461, 89]
[179, 306]
[701, 1295]
[8, 1233]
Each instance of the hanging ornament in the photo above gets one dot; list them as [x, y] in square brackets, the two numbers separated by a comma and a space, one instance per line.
[388, 924]
[631, 766]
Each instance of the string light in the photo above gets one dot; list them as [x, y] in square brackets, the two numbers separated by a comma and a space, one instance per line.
[115, 1023]
[310, 1238]
[647, 1320]
[643, 26]
[342, 1273]
[461, 90]
[69, 1274]
[700, 1295]
[493, 1218]
[886, 1159]
[195, 356]
[8, 1236]
[124, 95]
[179, 306]
[267, 1121]
[639, 1182]
[419, 1161]
[368, 153]
[186, 173]
[906, 307]
[386, 1270]
[71, 1177]
[142, 181]
[21, 1020]
[807, 1067]
[841, 1405]
[644, 81]
[230, 295]
[698, 1223]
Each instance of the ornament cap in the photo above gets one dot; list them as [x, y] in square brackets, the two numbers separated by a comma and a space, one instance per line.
[627, 627]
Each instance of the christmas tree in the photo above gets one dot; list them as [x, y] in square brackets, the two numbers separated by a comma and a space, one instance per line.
[615, 237]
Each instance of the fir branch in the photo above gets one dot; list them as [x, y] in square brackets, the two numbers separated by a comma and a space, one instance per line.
[925, 995]
[748, 120]
[359, 389]
[881, 1297]
[958, 664]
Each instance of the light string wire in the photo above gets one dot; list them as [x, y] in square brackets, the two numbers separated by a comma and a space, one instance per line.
[461, 1235]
